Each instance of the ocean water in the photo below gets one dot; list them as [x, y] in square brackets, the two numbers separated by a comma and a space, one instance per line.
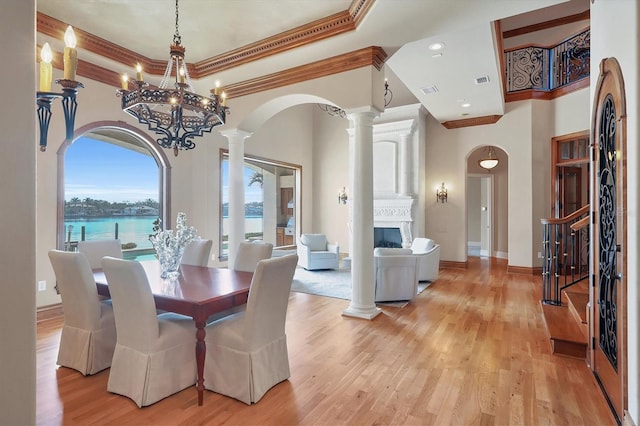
[131, 229]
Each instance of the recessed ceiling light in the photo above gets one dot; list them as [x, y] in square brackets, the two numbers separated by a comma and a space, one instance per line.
[436, 55]
[465, 105]
[436, 46]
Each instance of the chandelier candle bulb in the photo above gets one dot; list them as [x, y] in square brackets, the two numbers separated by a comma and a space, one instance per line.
[45, 68]
[216, 90]
[223, 100]
[125, 82]
[70, 60]
[182, 75]
[139, 72]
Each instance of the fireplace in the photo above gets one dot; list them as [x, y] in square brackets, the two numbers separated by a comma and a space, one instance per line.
[387, 237]
[392, 222]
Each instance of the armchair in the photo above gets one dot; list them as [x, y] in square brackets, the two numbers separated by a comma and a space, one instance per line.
[428, 253]
[315, 252]
[396, 274]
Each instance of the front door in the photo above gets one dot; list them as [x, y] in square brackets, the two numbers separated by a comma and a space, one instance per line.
[609, 360]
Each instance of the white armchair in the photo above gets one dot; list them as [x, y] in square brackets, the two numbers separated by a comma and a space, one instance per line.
[315, 252]
[428, 253]
[396, 274]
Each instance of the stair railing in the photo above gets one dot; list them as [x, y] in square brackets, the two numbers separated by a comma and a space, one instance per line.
[565, 253]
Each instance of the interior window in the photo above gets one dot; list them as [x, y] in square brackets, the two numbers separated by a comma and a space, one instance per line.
[111, 190]
[271, 201]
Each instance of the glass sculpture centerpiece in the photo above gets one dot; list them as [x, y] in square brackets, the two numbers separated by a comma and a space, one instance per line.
[170, 247]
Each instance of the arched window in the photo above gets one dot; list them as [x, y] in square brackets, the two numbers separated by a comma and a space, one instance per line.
[113, 184]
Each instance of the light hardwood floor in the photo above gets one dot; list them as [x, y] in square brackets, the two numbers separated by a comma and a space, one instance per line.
[471, 349]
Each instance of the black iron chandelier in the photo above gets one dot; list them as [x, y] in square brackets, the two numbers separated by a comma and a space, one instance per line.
[177, 114]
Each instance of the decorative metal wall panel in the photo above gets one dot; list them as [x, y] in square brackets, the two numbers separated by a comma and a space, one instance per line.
[527, 68]
[608, 274]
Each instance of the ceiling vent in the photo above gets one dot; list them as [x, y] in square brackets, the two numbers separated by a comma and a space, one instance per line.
[482, 80]
[429, 90]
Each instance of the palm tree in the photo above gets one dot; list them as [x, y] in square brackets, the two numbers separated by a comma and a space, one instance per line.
[255, 178]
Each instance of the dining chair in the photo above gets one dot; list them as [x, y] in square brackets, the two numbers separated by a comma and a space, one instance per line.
[247, 352]
[95, 250]
[250, 253]
[197, 252]
[155, 354]
[88, 335]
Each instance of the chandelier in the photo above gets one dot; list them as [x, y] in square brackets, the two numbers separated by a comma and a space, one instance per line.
[490, 161]
[175, 113]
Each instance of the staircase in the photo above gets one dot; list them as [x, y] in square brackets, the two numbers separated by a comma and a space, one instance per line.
[565, 284]
[567, 325]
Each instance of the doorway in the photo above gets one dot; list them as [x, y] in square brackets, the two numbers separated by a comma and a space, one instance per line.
[480, 215]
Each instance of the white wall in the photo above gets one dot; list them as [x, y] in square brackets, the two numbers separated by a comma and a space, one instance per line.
[17, 217]
[614, 33]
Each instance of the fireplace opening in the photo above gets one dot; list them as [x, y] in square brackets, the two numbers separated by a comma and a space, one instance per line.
[387, 237]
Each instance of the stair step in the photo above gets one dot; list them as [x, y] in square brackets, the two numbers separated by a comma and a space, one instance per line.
[577, 303]
[566, 335]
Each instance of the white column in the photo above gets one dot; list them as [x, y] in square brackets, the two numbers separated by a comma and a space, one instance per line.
[236, 139]
[361, 181]
[405, 165]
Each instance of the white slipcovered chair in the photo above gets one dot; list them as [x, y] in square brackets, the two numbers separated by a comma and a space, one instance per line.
[315, 252]
[95, 250]
[396, 274]
[155, 354]
[247, 352]
[250, 253]
[428, 253]
[197, 252]
[89, 331]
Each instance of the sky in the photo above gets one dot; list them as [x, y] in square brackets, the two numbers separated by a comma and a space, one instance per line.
[103, 171]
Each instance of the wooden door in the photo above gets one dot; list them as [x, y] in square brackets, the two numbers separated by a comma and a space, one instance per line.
[571, 199]
[609, 352]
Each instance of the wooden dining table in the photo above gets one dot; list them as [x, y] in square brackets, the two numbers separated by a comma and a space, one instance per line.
[198, 292]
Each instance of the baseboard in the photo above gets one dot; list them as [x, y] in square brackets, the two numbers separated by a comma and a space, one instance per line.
[524, 270]
[472, 244]
[453, 265]
[627, 420]
[48, 312]
[501, 255]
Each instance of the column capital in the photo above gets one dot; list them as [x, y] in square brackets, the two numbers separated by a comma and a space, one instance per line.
[362, 113]
[235, 135]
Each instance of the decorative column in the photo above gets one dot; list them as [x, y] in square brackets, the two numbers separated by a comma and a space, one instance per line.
[236, 139]
[362, 303]
[405, 165]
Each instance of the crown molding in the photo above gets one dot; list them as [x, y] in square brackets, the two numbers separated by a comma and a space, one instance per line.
[320, 29]
[583, 16]
[369, 56]
[468, 122]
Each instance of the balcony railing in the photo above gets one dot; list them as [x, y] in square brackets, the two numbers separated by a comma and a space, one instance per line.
[565, 253]
[546, 69]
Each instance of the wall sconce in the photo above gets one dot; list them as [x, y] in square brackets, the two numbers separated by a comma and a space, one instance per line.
[441, 193]
[342, 196]
[44, 96]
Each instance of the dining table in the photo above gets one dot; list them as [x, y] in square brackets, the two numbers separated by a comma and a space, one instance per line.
[198, 292]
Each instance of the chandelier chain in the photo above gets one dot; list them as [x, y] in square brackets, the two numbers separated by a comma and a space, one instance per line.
[176, 37]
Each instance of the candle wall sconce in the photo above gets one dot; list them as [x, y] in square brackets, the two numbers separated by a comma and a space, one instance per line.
[45, 97]
[342, 196]
[441, 193]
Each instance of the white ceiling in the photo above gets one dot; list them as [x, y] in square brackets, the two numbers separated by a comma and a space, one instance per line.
[404, 28]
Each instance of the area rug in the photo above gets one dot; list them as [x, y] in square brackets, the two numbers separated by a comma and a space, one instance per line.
[334, 283]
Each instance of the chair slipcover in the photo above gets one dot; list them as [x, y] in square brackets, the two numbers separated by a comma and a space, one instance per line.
[197, 252]
[95, 250]
[89, 331]
[315, 252]
[396, 274]
[247, 352]
[155, 354]
[250, 253]
[428, 253]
